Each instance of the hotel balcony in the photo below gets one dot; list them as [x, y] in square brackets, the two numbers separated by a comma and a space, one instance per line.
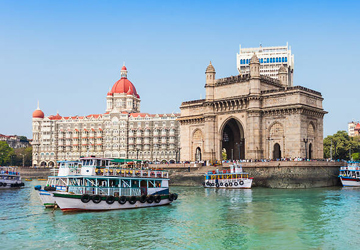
[61, 136]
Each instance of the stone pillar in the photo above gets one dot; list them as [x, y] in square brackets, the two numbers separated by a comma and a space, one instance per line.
[210, 138]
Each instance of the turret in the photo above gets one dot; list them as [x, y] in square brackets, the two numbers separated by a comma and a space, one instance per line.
[254, 75]
[210, 81]
[254, 67]
[283, 75]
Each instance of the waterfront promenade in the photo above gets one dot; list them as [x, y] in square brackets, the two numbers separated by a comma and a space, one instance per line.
[271, 174]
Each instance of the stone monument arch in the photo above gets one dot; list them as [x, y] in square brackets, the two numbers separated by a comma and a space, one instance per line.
[232, 138]
[252, 116]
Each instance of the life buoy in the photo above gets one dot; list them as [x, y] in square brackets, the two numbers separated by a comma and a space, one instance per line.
[96, 199]
[217, 185]
[207, 183]
[1, 184]
[157, 199]
[122, 200]
[85, 198]
[110, 199]
[150, 199]
[143, 198]
[226, 185]
[132, 200]
[221, 184]
[175, 196]
[171, 197]
[230, 184]
[4, 184]
[212, 184]
[241, 183]
[224, 171]
[235, 183]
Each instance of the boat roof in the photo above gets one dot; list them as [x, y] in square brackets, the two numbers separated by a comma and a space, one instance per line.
[68, 161]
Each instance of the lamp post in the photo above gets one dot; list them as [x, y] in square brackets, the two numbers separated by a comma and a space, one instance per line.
[306, 141]
[23, 161]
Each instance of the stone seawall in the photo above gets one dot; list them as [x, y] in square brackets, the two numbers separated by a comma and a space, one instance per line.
[34, 172]
[272, 174]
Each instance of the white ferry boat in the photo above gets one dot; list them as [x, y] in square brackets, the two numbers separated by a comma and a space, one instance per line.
[350, 175]
[59, 182]
[234, 178]
[101, 186]
[10, 178]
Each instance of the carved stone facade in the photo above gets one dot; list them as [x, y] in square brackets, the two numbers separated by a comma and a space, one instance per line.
[252, 117]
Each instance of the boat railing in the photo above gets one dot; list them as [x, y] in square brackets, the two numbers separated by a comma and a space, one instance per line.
[114, 191]
[133, 173]
[349, 168]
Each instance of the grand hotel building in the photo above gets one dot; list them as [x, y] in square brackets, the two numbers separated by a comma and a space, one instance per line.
[121, 132]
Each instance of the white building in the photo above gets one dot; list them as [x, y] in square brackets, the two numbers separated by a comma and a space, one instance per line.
[353, 128]
[270, 58]
[121, 132]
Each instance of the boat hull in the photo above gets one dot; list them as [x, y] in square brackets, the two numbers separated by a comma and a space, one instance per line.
[68, 203]
[229, 184]
[47, 198]
[350, 182]
[9, 184]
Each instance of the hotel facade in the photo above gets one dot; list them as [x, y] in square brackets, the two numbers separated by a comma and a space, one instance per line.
[121, 132]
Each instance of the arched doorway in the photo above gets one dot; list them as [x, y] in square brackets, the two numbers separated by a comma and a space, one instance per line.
[198, 154]
[43, 164]
[233, 140]
[310, 151]
[277, 151]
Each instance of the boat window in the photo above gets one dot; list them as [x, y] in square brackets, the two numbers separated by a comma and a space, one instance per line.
[158, 183]
[135, 183]
[150, 184]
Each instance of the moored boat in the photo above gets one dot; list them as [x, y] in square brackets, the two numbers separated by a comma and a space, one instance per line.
[350, 175]
[100, 185]
[57, 182]
[234, 178]
[10, 178]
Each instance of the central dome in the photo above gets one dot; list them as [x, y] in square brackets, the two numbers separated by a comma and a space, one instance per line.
[124, 85]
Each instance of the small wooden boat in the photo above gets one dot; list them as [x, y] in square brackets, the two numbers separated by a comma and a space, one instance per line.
[28, 179]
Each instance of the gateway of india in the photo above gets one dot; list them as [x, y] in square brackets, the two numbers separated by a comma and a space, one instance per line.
[257, 114]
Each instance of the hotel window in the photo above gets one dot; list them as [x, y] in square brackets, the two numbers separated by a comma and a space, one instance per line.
[267, 60]
[285, 59]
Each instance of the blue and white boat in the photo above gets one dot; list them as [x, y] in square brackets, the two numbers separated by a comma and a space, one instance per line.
[58, 181]
[99, 185]
[10, 178]
[350, 175]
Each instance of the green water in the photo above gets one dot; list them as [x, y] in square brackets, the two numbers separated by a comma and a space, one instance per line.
[322, 218]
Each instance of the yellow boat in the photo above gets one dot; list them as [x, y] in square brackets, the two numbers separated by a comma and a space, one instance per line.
[28, 179]
[39, 179]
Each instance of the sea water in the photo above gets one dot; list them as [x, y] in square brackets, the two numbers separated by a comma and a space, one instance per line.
[259, 218]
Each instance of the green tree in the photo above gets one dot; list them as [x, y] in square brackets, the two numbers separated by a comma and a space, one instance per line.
[355, 156]
[23, 138]
[5, 153]
[342, 145]
[23, 154]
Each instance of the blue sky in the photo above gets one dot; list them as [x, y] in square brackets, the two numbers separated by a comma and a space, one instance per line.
[67, 54]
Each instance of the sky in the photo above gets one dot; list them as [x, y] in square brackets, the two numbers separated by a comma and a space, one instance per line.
[67, 54]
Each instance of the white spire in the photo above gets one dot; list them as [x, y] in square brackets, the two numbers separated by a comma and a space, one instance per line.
[38, 106]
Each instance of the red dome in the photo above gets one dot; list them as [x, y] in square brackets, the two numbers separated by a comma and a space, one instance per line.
[357, 126]
[123, 68]
[123, 86]
[38, 114]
